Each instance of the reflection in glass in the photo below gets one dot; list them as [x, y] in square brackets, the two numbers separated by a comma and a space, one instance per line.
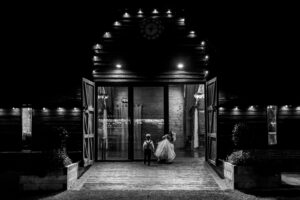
[272, 124]
[148, 116]
[112, 123]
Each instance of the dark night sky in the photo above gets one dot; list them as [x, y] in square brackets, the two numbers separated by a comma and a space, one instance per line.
[49, 45]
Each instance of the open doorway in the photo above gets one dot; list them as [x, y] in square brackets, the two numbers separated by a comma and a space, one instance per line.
[126, 113]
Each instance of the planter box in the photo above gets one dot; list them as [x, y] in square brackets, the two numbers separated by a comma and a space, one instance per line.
[58, 180]
[251, 177]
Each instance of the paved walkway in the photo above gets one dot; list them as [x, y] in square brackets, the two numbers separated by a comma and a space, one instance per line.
[185, 173]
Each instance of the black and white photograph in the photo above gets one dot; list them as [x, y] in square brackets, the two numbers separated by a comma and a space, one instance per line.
[150, 100]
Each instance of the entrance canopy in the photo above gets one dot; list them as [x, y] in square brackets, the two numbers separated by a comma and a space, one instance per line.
[151, 46]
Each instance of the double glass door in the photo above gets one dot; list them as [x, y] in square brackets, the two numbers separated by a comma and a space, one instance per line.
[125, 115]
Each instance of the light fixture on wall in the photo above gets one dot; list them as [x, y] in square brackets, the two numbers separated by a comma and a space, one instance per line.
[180, 65]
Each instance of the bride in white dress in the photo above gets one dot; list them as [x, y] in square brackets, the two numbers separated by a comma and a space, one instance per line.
[165, 148]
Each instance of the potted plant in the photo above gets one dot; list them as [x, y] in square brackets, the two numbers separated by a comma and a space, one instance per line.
[60, 172]
[243, 168]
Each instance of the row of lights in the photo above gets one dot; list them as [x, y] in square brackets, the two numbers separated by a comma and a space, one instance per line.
[154, 11]
[179, 65]
[98, 47]
[43, 109]
[107, 35]
[252, 108]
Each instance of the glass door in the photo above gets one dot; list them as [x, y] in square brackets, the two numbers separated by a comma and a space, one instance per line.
[113, 123]
[148, 115]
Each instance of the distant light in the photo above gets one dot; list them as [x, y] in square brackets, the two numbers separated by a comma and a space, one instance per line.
[94, 71]
[96, 58]
[203, 43]
[286, 107]
[206, 58]
[75, 109]
[192, 34]
[181, 21]
[60, 109]
[126, 15]
[298, 108]
[221, 108]
[236, 108]
[155, 11]
[107, 35]
[140, 12]
[251, 108]
[45, 109]
[270, 107]
[169, 12]
[117, 23]
[13, 108]
[119, 66]
[206, 72]
[97, 46]
[180, 65]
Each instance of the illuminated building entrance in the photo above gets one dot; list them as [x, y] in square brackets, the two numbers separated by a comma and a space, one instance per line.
[126, 114]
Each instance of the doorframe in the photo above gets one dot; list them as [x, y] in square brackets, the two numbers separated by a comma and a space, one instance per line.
[130, 86]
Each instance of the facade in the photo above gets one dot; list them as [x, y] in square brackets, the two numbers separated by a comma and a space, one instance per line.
[151, 73]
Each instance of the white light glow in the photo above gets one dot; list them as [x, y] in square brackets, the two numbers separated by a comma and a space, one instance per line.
[206, 57]
[206, 72]
[107, 35]
[119, 66]
[192, 34]
[126, 15]
[181, 21]
[236, 108]
[60, 109]
[117, 23]
[203, 43]
[140, 12]
[75, 109]
[155, 11]
[180, 65]
[298, 108]
[97, 47]
[169, 12]
[96, 58]
[251, 108]
[45, 109]
[221, 108]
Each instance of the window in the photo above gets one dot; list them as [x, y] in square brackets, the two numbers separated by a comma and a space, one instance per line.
[272, 124]
[26, 127]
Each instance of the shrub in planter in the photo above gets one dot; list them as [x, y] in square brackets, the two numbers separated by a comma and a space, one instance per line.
[243, 169]
[56, 152]
[242, 136]
[61, 173]
[241, 158]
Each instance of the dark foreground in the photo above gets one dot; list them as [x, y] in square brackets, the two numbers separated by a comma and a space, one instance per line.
[162, 194]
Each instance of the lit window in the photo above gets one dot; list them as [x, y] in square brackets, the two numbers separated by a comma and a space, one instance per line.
[26, 127]
[272, 124]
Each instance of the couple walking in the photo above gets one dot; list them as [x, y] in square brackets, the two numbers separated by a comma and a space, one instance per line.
[164, 151]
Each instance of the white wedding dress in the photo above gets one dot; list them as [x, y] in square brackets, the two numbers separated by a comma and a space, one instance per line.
[165, 148]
